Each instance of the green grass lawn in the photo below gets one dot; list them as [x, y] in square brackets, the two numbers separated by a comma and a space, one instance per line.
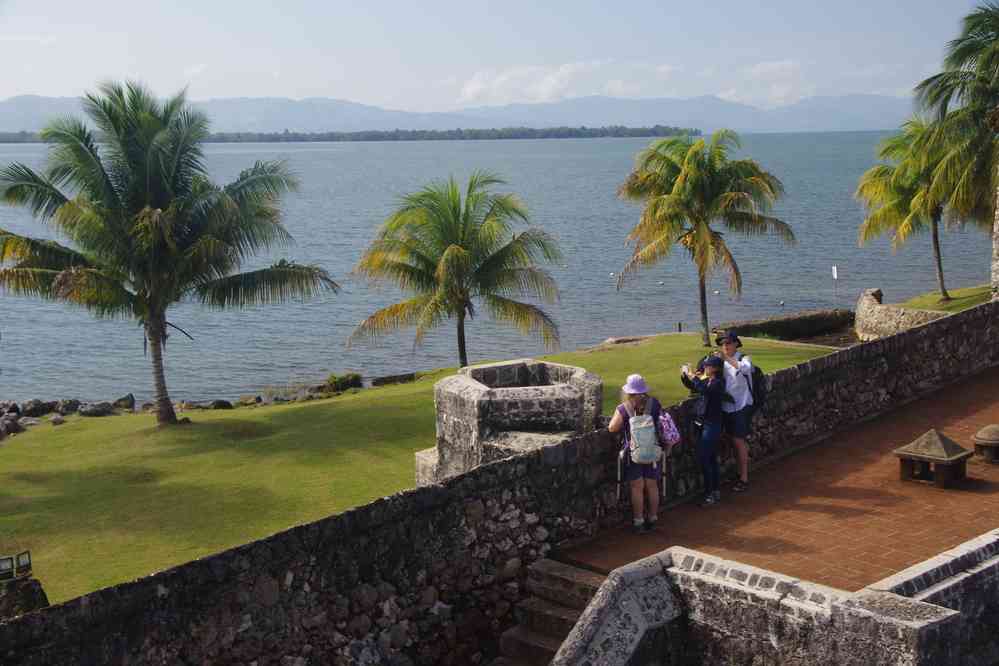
[101, 501]
[961, 299]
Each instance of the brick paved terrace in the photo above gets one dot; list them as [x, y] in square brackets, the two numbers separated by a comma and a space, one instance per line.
[837, 513]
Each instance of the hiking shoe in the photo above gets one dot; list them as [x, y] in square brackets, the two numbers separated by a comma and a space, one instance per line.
[650, 526]
[740, 486]
[709, 500]
[717, 496]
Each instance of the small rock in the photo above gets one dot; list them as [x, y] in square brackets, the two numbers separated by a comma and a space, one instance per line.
[27, 421]
[148, 406]
[125, 402]
[366, 596]
[10, 426]
[267, 591]
[399, 635]
[57, 420]
[96, 409]
[511, 568]
[220, 404]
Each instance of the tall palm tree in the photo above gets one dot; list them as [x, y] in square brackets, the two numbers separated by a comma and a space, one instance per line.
[899, 195]
[146, 226]
[965, 97]
[455, 252]
[687, 185]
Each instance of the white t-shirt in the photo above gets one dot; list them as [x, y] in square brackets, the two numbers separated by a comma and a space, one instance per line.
[737, 381]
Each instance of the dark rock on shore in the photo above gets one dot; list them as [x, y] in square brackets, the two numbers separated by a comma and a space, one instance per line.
[220, 404]
[9, 425]
[67, 407]
[96, 409]
[126, 402]
[37, 407]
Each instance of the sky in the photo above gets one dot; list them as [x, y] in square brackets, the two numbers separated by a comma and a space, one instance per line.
[444, 55]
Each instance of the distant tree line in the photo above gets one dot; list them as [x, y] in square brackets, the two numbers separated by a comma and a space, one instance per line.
[617, 131]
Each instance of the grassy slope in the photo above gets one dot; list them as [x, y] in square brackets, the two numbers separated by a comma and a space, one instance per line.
[962, 299]
[100, 501]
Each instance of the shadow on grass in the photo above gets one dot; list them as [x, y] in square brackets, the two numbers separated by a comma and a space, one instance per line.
[130, 500]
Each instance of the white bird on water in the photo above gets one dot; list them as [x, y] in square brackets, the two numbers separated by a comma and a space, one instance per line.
[661, 283]
[612, 275]
[781, 303]
[717, 292]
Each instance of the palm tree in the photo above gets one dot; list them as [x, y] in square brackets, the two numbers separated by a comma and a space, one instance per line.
[965, 97]
[899, 195]
[146, 226]
[687, 186]
[452, 253]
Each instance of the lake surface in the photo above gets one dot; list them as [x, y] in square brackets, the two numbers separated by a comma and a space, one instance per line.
[53, 351]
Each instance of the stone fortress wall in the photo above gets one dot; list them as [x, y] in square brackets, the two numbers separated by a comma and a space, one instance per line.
[875, 320]
[430, 575]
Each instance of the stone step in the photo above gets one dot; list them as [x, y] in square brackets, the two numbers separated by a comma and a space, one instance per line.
[543, 617]
[531, 648]
[562, 584]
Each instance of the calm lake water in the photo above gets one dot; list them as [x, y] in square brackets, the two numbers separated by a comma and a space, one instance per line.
[55, 351]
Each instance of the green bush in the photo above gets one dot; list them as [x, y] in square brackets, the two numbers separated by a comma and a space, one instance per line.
[349, 380]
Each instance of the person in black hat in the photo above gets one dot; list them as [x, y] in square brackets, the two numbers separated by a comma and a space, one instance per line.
[711, 386]
[737, 415]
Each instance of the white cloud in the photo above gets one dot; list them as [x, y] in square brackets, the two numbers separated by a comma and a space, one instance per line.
[548, 83]
[770, 84]
[194, 71]
[42, 40]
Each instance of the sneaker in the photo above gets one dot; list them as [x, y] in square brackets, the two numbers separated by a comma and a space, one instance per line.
[717, 496]
[709, 500]
[650, 525]
[740, 486]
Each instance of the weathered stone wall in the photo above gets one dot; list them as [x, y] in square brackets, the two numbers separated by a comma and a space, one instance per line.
[965, 579]
[793, 326]
[874, 320]
[426, 576]
[682, 606]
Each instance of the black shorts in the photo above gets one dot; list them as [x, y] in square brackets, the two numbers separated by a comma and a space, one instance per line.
[738, 424]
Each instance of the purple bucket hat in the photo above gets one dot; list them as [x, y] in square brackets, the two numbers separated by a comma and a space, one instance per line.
[635, 384]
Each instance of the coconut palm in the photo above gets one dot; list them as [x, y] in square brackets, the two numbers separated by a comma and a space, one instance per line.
[455, 252]
[687, 186]
[145, 225]
[899, 195]
[965, 97]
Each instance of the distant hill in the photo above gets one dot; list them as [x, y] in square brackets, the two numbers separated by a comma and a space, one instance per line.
[318, 114]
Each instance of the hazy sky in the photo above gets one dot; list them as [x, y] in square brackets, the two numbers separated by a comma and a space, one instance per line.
[441, 55]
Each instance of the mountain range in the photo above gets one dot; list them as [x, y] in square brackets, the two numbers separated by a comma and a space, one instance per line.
[321, 114]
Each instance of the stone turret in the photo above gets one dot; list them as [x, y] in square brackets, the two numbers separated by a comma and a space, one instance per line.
[493, 411]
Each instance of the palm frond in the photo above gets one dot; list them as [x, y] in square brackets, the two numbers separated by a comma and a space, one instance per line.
[529, 319]
[21, 186]
[37, 253]
[277, 284]
[397, 316]
[95, 290]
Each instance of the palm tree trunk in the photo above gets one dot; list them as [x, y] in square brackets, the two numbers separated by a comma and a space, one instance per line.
[935, 234]
[462, 352]
[155, 330]
[702, 289]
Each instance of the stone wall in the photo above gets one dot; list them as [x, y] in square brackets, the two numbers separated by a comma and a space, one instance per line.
[427, 576]
[964, 579]
[682, 606]
[874, 320]
[995, 257]
[21, 595]
[793, 326]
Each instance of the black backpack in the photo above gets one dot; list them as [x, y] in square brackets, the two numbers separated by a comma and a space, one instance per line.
[758, 389]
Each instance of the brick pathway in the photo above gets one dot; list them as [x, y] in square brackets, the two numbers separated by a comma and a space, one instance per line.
[837, 513]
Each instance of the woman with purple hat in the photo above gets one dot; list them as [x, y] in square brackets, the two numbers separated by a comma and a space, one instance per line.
[711, 386]
[643, 479]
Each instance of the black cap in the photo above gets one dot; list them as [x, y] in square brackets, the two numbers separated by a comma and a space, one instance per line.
[728, 336]
[712, 362]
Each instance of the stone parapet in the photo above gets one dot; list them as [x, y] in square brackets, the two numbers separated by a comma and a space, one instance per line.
[875, 320]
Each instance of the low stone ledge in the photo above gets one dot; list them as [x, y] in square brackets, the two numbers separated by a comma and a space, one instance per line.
[920, 577]
[807, 324]
[875, 320]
